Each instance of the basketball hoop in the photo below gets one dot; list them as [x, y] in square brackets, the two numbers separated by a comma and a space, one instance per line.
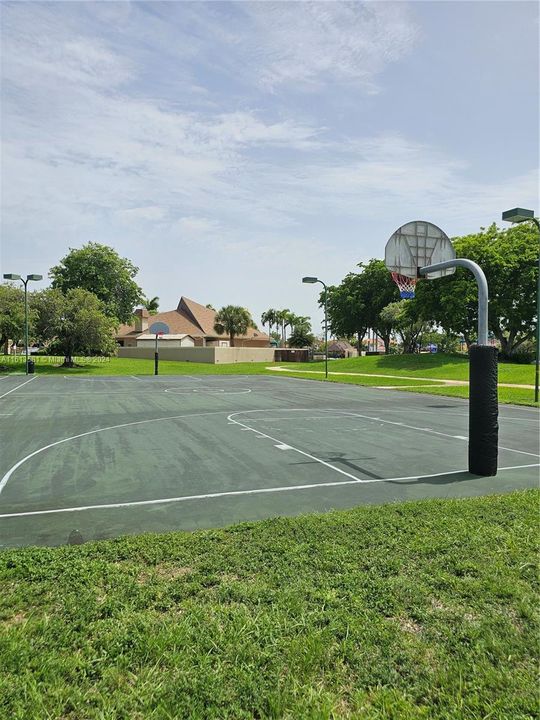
[405, 284]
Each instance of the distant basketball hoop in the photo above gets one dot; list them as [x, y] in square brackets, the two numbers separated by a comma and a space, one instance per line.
[158, 329]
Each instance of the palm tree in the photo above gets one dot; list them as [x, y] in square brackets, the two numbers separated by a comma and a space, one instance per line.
[283, 320]
[151, 304]
[300, 322]
[233, 320]
[270, 317]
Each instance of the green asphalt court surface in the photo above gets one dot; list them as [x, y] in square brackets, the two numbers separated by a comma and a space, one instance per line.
[109, 456]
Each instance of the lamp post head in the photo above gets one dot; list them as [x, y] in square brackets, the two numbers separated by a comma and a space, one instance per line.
[11, 276]
[518, 215]
[310, 280]
[34, 277]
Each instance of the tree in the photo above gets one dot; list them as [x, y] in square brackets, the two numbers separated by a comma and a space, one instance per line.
[401, 317]
[151, 304]
[509, 260]
[451, 302]
[11, 314]
[283, 321]
[445, 343]
[100, 270]
[74, 323]
[378, 291]
[233, 320]
[345, 308]
[301, 334]
[356, 303]
[270, 317]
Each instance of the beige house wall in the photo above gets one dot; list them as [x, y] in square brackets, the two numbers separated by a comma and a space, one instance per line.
[212, 355]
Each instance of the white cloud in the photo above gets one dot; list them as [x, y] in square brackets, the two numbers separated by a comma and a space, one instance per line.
[149, 213]
[95, 148]
[313, 43]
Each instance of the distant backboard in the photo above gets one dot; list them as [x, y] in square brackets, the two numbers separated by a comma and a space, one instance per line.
[415, 245]
[159, 328]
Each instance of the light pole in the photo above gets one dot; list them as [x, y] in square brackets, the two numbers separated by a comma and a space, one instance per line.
[311, 281]
[519, 215]
[12, 276]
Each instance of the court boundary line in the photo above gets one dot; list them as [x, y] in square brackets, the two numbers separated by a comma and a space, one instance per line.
[251, 491]
[17, 387]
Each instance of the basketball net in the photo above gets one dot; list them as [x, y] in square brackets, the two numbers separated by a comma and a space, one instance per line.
[405, 284]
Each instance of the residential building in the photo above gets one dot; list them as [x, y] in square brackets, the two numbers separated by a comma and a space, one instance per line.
[190, 324]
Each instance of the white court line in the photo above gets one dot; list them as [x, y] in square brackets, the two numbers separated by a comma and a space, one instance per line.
[432, 432]
[232, 493]
[501, 447]
[207, 391]
[459, 402]
[115, 379]
[347, 413]
[275, 440]
[76, 393]
[17, 387]
[454, 414]
[10, 472]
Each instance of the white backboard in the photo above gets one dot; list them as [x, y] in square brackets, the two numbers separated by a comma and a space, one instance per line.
[415, 245]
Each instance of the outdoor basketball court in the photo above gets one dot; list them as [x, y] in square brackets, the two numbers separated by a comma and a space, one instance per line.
[117, 455]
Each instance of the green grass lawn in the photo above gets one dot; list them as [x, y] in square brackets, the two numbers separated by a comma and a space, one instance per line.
[448, 367]
[136, 366]
[512, 396]
[362, 380]
[418, 610]
[436, 365]
[507, 396]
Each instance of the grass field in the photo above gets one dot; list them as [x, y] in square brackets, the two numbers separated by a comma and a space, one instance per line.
[436, 366]
[418, 610]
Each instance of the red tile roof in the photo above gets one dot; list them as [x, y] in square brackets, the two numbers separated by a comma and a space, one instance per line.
[189, 318]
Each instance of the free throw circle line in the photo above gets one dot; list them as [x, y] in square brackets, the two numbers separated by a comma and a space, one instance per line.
[17, 465]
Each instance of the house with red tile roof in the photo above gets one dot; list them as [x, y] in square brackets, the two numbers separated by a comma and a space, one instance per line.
[189, 319]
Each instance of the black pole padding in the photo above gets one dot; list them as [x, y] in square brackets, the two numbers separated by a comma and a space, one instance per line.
[483, 410]
[156, 363]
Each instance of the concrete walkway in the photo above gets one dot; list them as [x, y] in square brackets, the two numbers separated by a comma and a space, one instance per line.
[442, 382]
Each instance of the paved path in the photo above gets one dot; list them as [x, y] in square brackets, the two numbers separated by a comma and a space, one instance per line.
[442, 381]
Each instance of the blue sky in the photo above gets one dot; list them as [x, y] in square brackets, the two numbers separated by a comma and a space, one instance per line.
[228, 149]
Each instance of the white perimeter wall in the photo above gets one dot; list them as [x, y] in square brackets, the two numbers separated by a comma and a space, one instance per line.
[185, 342]
[213, 355]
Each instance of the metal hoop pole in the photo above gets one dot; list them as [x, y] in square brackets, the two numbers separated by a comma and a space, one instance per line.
[483, 297]
[483, 403]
